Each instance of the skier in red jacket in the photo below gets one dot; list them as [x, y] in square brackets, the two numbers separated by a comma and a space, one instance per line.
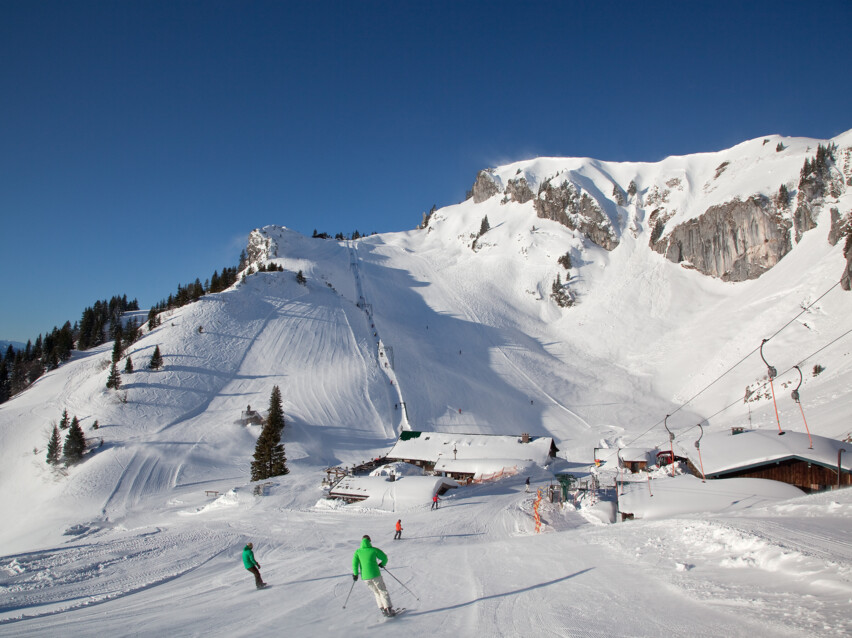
[398, 534]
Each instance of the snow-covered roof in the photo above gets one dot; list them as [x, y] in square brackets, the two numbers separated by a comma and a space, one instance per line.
[436, 446]
[381, 493]
[478, 467]
[723, 451]
[633, 454]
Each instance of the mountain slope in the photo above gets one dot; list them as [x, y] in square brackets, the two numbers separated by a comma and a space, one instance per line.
[432, 329]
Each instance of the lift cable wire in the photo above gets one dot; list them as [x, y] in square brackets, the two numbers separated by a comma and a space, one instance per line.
[761, 386]
[729, 370]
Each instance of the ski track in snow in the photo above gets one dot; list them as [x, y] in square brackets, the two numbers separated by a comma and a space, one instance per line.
[50, 582]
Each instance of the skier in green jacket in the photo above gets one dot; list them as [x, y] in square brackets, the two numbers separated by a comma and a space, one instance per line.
[252, 565]
[368, 559]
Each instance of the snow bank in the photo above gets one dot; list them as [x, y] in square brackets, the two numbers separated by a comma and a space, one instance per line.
[687, 494]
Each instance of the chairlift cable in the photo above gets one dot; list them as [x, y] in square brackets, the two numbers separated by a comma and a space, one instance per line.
[733, 403]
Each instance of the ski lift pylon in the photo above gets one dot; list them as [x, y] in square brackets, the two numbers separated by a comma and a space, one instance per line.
[795, 395]
[698, 447]
[671, 441]
[772, 374]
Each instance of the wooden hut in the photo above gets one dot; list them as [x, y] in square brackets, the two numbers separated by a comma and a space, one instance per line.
[811, 463]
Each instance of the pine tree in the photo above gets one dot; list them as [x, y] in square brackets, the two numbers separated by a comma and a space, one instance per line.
[153, 319]
[275, 416]
[128, 367]
[54, 447]
[559, 294]
[114, 379]
[4, 381]
[117, 349]
[75, 443]
[484, 227]
[783, 198]
[131, 333]
[63, 422]
[156, 359]
[269, 457]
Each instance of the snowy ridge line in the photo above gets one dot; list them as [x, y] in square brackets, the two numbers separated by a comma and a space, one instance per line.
[729, 370]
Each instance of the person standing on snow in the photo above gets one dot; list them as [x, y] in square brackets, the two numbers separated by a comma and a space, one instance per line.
[435, 500]
[367, 560]
[528, 484]
[398, 534]
[252, 565]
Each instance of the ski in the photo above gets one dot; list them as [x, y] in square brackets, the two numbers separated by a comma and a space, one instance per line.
[397, 612]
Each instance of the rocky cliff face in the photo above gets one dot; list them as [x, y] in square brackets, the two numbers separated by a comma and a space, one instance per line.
[741, 240]
[841, 229]
[576, 210]
[484, 187]
[260, 248]
[733, 216]
[565, 204]
[846, 279]
[735, 241]
[518, 190]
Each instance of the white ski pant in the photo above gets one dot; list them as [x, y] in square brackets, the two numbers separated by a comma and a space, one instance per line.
[377, 586]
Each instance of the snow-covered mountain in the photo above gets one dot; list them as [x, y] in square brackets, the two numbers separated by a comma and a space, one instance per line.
[451, 329]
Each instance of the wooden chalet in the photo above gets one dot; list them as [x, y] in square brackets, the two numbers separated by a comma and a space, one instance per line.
[811, 463]
[251, 417]
[466, 456]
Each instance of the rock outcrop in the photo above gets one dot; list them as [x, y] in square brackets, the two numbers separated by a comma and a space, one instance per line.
[576, 210]
[484, 187]
[735, 241]
[518, 190]
[260, 248]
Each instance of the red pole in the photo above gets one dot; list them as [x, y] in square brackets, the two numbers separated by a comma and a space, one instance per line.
[810, 442]
[772, 387]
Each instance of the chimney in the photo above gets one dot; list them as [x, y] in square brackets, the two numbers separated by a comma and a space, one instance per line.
[525, 437]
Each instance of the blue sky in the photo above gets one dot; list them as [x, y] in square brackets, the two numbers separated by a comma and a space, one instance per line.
[140, 142]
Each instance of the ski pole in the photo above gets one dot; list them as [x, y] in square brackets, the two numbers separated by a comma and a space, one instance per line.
[349, 594]
[401, 583]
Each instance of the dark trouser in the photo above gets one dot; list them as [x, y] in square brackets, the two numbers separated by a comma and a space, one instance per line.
[258, 581]
[398, 534]
[434, 505]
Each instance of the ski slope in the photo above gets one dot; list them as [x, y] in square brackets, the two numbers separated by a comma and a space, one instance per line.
[417, 330]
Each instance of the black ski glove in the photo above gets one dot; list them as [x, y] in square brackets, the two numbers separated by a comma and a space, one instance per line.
[354, 576]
